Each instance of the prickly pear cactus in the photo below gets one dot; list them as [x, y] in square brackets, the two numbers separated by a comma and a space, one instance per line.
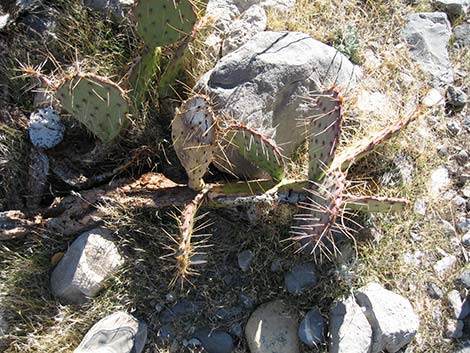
[162, 22]
[316, 227]
[324, 131]
[257, 148]
[98, 103]
[194, 134]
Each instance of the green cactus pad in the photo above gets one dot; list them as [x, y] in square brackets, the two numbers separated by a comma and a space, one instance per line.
[257, 148]
[376, 204]
[324, 131]
[162, 22]
[315, 227]
[96, 102]
[194, 138]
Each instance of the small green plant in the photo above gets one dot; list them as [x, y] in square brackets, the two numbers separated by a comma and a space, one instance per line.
[346, 41]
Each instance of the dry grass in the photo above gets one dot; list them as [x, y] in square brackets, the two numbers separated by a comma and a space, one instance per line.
[358, 28]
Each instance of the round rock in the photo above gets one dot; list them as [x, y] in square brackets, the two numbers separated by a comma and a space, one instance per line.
[272, 328]
[312, 328]
[301, 277]
[45, 129]
[215, 341]
[245, 258]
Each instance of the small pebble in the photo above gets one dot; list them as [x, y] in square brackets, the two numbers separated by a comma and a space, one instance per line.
[442, 150]
[462, 157]
[247, 301]
[420, 207]
[245, 258]
[215, 341]
[454, 128]
[448, 228]
[466, 239]
[459, 201]
[463, 280]
[455, 98]
[454, 328]
[460, 310]
[311, 329]
[463, 225]
[236, 329]
[444, 265]
[301, 277]
[434, 291]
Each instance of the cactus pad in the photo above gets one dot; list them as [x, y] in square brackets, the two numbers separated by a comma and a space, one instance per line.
[96, 102]
[257, 148]
[375, 203]
[194, 135]
[324, 130]
[316, 228]
[162, 22]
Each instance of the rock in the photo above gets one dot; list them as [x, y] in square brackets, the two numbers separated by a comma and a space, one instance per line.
[264, 84]
[230, 34]
[448, 228]
[180, 309]
[312, 328]
[245, 258]
[463, 225]
[272, 328]
[463, 280]
[226, 314]
[465, 349]
[45, 129]
[394, 323]
[462, 158]
[460, 310]
[90, 260]
[427, 35]
[455, 98]
[445, 265]
[215, 341]
[301, 277]
[117, 333]
[419, 207]
[4, 21]
[434, 291]
[247, 301]
[454, 127]
[233, 8]
[350, 332]
[433, 98]
[454, 328]
[236, 329]
[466, 239]
[462, 34]
[440, 180]
[454, 8]
[117, 9]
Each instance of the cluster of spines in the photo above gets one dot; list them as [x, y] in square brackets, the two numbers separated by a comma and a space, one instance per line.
[324, 130]
[255, 147]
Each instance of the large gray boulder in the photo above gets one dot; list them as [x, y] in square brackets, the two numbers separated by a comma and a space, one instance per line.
[427, 35]
[394, 323]
[350, 331]
[272, 328]
[266, 84]
[91, 259]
